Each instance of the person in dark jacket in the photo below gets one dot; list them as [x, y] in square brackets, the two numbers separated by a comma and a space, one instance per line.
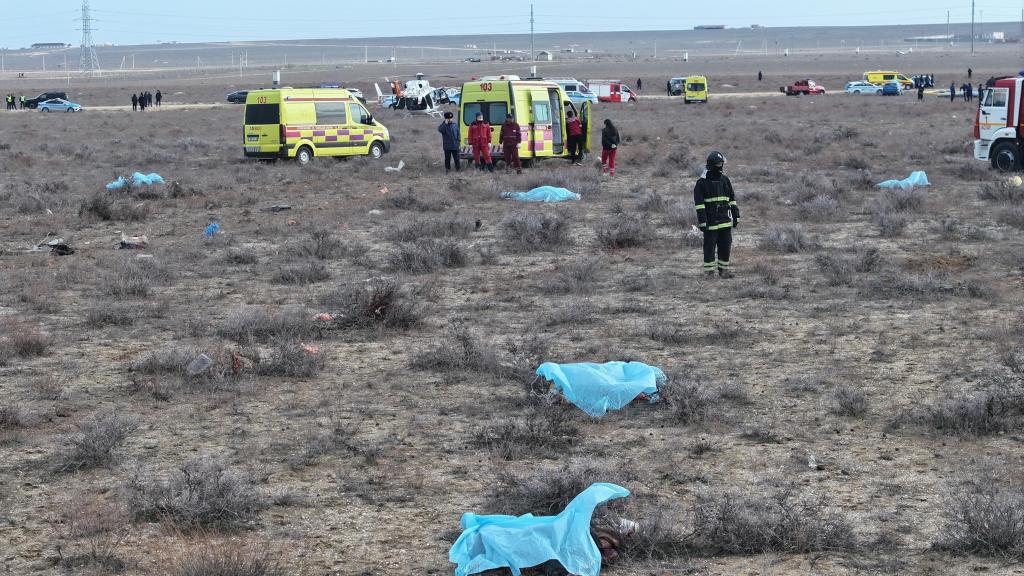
[480, 140]
[952, 91]
[717, 214]
[920, 92]
[574, 128]
[639, 84]
[609, 147]
[510, 137]
[135, 102]
[159, 97]
[668, 87]
[759, 76]
[450, 142]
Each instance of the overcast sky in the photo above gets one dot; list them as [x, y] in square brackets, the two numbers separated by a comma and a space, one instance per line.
[133, 22]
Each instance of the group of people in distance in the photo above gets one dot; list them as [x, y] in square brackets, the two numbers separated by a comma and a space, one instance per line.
[144, 100]
[510, 137]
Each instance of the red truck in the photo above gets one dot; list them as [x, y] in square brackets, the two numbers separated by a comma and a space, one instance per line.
[802, 87]
[999, 124]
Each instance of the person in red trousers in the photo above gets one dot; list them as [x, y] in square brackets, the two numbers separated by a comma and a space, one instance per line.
[510, 137]
[609, 147]
[480, 140]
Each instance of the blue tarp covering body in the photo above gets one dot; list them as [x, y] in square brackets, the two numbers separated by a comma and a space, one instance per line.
[211, 230]
[138, 179]
[543, 194]
[597, 388]
[915, 179]
[517, 542]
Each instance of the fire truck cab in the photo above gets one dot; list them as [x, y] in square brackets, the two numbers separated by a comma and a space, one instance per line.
[999, 124]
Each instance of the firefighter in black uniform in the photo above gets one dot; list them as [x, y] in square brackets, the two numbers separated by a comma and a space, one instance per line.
[717, 213]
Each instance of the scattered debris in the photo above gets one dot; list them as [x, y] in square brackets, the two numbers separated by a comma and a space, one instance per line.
[133, 242]
[293, 222]
[498, 541]
[384, 190]
[117, 184]
[138, 179]
[917, 178]
[324, 317]
[1015, 181]
[374, 212]
[199, 365]
[543, 194]
[211, 230]
[401, 164]
[276, 208]
[61, 250]
[597, 388]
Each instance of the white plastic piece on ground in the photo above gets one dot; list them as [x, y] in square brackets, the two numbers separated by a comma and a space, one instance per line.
[199, 365]
[401, 164]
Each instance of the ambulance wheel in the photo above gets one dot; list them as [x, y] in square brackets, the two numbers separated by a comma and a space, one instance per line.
[376, 150]
[1005, 157]
[304, 155]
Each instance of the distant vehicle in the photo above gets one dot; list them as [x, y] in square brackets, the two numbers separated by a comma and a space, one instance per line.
[539, 106]
[471, 59]
[802, 87]
[695, 89]
[880, 77]
[891, 89]
[34, 102]
[611, 91]
[861, 87]
[357, 93]
[58, 105]
[238, 97]
[305, 123]
[677, 85]
[577, 91]
[997, 124]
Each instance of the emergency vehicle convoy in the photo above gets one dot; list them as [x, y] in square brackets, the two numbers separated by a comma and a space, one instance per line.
[999, 124]
[538, 106]
[883, 77]
[305, 123]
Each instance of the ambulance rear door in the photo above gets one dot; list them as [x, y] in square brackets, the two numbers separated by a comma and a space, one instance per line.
[585, 120]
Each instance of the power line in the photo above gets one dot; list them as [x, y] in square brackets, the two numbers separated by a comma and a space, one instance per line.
[89, 62]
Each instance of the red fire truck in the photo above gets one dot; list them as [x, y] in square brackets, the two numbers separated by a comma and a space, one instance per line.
[999, 124]
[611, 91]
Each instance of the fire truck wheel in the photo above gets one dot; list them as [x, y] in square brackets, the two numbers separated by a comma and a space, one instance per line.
[1005, 157]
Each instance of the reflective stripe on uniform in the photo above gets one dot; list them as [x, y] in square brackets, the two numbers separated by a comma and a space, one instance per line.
[699, 206]
[733, 203]
[720, 226]
[717, 199]
[723, 264]
[710, 264]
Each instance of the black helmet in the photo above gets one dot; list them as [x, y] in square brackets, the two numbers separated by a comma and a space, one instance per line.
[449, 115]
[716, 158]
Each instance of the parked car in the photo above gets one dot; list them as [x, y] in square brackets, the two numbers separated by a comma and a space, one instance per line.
[861, 87]
[577, 97]
[891, 89]
[34, 102]
[58, 105]
[238, 97]
[802, 87]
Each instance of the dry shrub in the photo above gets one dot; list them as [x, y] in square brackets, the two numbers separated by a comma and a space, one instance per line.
[681, 214]
[996, 408]
[780, 520]
[848, 401]
[547, 491]
[95, 441]
[408, 200]
[691, 402]
[228, 559]
[288, 358]
[378, 302]
[133, 277]
[12, 416]
[21, 338]
[102, 206]
[820, 208]
[108, 313]
[173, 360]
[427, 255]
[1001, 191]
[439, 227]
[322, 245]
[984, 516]
[460, 350]
[625, 231]
[102, 527]
[576, 277]
[525, 233]
[301, 274]
[204, 492]
[786, 238]
[1012, 216]
[253, 324]
[547, 429]
[931, 285]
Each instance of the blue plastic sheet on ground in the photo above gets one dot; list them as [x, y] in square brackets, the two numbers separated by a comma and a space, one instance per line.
[117, 184]
[140, 179]
[597, 388]
[918, 178]
[211, 230]
[543, 194]
[517, 542]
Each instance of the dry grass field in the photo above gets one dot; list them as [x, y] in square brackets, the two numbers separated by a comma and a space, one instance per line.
[851, 403]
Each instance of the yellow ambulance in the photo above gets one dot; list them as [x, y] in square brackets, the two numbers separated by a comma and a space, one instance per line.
[696, 89]
[539, 108]
[882, 77]
[305, 123]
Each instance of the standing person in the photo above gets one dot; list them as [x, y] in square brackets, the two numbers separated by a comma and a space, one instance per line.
[920, 92]
[480, 140]
[149, 99]
[981, 88]
[575, 129]
[142, 101]
[450, 142]
[969, 73]
[952, 91]
[639, 84]
[22, 101]
[717, 213]
[510, 137]
[759, 76]
[135, 102]
[668, 87]
[159, 97]
[609, 147]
